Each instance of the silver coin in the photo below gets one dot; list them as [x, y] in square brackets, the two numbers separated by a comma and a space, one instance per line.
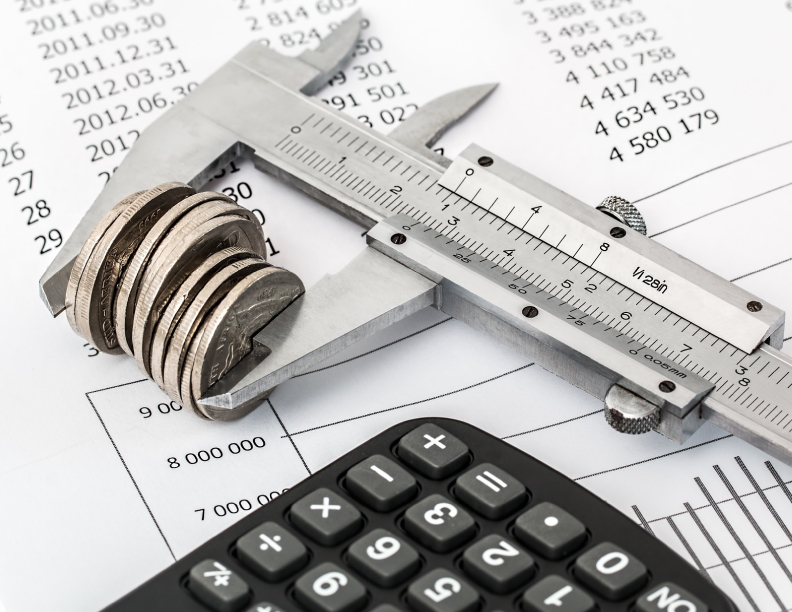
[95, 295]
[85, 253]
[182, 299]
[208, 297]
[226, 336]
[126, 295]
[205, 230]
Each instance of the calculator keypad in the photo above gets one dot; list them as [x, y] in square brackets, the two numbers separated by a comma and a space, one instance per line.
[328, 588]
[265, 606]
[490, 491]
[326, 517]
[557, 594]
[498, 564]
[271, 552]
[433, 452]
[668, 595]
[439, 524]
[216, 585]
[384, 558]
[610, 571]
[422, 523]
[550, 531]
[442, 591]
[381, 484]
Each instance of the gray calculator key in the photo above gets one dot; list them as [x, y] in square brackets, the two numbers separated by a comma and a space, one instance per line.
[271, 552]
[381, 483]
[328, 588]
[439, 524]
[498, 564]
[610, 571]
[386, 608]
[383, 558]
[442, 591]
[265, 606]
[550, 531]
[668, 597]
[218, 587]
[433, 452]
[490, 491]
[326, 517]
[556, 594]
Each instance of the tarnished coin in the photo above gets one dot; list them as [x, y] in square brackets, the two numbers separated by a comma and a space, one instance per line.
[226, 336]
[126, 296]
[205, 230]
[85, 253]
[212, 293]
[182, 299]
[95, 295]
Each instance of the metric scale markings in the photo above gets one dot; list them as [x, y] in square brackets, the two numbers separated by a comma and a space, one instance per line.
[336, 151]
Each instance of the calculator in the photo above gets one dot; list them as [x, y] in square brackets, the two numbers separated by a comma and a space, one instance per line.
[432, 515]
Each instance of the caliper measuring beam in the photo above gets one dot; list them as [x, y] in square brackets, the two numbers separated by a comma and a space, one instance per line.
[586, 295]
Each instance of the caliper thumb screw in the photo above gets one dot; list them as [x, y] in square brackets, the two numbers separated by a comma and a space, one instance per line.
[624, 212]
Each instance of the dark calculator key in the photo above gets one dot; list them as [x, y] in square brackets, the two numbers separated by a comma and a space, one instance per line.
[380, 483]
[439, 524]
[383, 558]
[265, 606]
[218, 587]
[386, 608]
[550, 531]
[271, 552]
[668, 597]
[498, 564]
[442, 591]
[610, 571]
[490, 491]
[326, 517]
[328, 588]
[433, 451]
[556, 594]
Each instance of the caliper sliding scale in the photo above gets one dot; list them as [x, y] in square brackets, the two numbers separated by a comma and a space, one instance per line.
[664, 342]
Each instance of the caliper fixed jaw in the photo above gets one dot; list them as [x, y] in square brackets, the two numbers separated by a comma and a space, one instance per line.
[371, 293]
[189, 145]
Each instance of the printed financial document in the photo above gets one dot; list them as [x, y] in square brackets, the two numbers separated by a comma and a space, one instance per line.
[680, 107]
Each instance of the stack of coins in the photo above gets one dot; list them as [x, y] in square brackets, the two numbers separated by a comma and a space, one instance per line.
[179, 281]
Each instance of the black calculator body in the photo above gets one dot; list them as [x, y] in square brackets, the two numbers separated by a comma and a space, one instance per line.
[432, 515]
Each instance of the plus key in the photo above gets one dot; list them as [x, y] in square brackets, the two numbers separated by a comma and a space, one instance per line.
[433, 452]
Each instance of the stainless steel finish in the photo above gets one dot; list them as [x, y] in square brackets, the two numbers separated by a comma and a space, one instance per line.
[422, 129]
[624, 212]
[628, 413]
[226, 336]
[579, 231]
[369, 294]
[484, 241]
[186, 143]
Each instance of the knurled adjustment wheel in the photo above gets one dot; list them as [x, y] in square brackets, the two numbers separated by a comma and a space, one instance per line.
[624, 212]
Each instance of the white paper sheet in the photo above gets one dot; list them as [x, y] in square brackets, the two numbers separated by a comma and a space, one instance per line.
[89, 507]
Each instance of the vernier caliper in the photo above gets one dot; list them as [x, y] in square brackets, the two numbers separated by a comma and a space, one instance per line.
[586, 295]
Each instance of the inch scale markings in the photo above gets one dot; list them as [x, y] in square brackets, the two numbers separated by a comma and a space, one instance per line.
[546, 269]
